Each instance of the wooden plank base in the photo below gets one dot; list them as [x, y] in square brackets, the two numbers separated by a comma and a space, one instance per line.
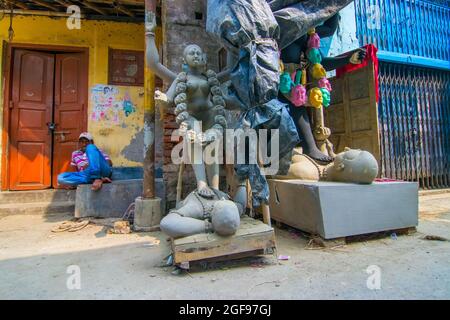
[252, 238]
[330, 243]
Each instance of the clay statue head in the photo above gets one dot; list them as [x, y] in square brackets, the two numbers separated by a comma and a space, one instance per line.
[225, 218]
[355, 166]
[194, 57]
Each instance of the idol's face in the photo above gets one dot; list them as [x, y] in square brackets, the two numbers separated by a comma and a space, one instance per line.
[194, 56]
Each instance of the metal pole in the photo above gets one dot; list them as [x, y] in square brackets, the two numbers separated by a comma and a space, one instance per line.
[149, 119]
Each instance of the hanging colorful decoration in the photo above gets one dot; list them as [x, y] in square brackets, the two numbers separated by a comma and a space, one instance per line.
[293, 86]
[315, 97]
[326, 97]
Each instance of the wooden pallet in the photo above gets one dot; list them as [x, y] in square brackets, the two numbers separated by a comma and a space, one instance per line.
[328, 243]
[253, 237]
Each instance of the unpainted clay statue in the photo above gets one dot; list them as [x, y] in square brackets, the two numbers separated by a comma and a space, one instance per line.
[198, 98]
[197, 95]
[354, 166]
[197, 214]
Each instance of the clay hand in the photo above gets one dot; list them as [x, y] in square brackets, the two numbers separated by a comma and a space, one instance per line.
[150, 23]
[358, 56]
[191, 135]
[160, 96]
[208, 137]
[322, 133]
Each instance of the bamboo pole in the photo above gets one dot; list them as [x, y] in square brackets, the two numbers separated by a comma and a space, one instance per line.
[149, 119]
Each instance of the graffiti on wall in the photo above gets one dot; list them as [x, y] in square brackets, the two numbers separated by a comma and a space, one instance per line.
[110, 104]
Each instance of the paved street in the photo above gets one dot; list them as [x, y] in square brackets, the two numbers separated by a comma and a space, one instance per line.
[34, 262]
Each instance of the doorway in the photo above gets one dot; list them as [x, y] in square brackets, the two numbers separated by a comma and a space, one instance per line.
[46, 114]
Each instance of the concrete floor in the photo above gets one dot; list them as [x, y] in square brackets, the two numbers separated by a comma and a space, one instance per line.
[34, 262]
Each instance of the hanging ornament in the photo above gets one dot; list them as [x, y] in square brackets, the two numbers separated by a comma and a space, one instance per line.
[281, 66]
[315, 97]
[298, 93]
[314, 55]
[324, 83]
[311, 31]
[294, 86]
[314, 41]
[326, 97]
[318, 71]
[298, 96]
[285, 83]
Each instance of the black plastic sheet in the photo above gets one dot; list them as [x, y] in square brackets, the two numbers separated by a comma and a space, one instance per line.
[255, 31]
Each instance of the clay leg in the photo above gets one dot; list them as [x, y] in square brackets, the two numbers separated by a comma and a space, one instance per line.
[212, 171]
[301, 120]
[240, 197]
[200, 172]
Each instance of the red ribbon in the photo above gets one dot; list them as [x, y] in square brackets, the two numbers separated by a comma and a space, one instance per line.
[371, 55]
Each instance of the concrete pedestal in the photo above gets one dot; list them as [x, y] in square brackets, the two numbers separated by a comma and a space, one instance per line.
[147, 214]
[111, 201]
[334, 210]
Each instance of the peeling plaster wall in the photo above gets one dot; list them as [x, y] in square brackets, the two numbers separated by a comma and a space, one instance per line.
[98, 36]
[345, 37]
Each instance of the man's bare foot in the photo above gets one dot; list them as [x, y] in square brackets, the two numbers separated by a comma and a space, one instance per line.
[97, 185]
[319, 156]
[205, 192]
[106, 180]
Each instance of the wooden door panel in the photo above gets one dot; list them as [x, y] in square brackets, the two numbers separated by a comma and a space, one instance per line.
[353, 115]
[32, 109]
[31, 155]
[70, 97]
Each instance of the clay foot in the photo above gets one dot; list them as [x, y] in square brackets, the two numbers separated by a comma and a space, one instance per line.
[106, 180]
[319, 156]
[97, 185]
[205, 192]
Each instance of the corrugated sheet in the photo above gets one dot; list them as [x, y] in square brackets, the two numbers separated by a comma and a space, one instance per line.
[414, 106]
[414, 27]
[414, 116]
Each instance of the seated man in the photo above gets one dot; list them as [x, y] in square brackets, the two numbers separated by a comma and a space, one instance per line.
[92, 165]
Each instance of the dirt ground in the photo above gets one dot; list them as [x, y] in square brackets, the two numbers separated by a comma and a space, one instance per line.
[34, 264]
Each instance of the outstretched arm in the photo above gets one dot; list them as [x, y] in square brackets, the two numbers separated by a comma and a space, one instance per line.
[152, 55]
[355, 57]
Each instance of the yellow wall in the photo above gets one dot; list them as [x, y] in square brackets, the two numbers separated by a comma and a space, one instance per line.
[98, 36]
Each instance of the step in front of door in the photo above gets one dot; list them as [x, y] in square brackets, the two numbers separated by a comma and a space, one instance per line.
[43, 202]
[42, 208]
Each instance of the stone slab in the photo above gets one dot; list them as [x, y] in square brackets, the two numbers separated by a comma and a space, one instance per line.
[110, 202]
[333, 209]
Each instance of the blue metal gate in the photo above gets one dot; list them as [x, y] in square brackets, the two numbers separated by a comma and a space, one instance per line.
[413, 38]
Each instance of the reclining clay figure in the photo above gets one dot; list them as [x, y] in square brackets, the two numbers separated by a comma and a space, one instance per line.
[197, 214]
[354, 166]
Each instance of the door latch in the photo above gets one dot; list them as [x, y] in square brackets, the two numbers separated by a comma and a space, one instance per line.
[51, 126]
[62, 135]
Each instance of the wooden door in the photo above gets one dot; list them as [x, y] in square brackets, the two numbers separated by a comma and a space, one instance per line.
[70, 97]
[31, 112]
[353, 113]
